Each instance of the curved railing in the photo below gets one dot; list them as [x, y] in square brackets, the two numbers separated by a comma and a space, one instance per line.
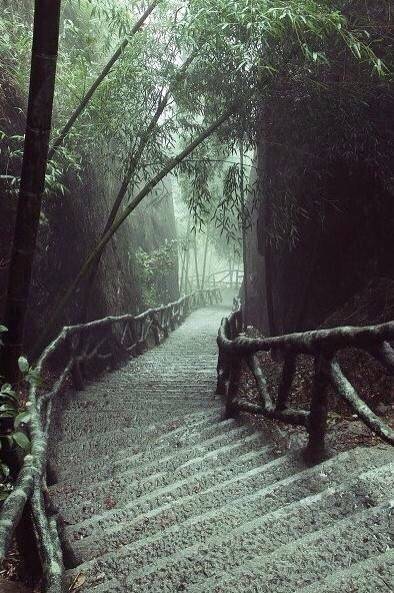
[322, 345]
[79, 352]
[226, 279]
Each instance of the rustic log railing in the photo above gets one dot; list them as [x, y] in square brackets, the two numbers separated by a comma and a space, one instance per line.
[78, 353]
[322, 345]
[226, 279]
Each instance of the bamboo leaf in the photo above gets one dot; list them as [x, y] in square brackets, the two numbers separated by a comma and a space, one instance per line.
[21, 440]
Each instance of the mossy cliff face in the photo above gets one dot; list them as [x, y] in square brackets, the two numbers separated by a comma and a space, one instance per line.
[323, 221]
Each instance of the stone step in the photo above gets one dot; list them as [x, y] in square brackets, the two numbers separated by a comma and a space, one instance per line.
[134, 397]
[101, 585]
[281, 481]
[287, 568]
[152, 490]
[222, 536]
[376, 574]
[125, 479]
[100, 396]
[79, 423]
[126, 459]
[137, 439]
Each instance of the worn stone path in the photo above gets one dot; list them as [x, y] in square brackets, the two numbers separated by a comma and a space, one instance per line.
[158, 494]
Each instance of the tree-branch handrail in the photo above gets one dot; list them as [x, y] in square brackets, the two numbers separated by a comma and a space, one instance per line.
[228, 278]
[235, 347]
[68, 356]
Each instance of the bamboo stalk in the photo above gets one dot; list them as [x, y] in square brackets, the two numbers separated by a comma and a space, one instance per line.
[103, 74]
[171, 164]
[34, 164]
[243, 221]
[134, 160]
[204, 265]
[143, 142]
[184, 256]
[187, 255]
[196, 261]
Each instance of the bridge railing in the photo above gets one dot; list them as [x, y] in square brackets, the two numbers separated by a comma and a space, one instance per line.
[225, 279]
[78, 353]
[322, 346]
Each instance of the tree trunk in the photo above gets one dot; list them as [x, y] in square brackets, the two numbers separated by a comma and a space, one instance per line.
[299, 318]
[185, 249]
[231, 268]
[35, 153]
[181, 267]
[268, 284]
[187, 256]
[204, 266]
[196, 261]
[243, 214]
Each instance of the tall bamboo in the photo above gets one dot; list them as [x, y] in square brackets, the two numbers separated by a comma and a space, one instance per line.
[185, 249]
[243, 216]
[34, 164]
[103, 74]
[204, 265]
[130, 171]
[196, 260]
[97, 250]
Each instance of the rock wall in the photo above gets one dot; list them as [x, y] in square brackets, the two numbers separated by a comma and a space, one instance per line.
[323, 219]
[254, 277]
[292, 288]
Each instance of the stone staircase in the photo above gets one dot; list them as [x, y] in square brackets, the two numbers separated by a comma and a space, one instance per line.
[158, 494]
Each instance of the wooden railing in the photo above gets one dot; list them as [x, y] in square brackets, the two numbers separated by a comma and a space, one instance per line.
[80, 352]
[322, 345]
[225, 279]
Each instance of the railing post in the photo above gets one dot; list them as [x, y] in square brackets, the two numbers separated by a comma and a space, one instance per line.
[77, 378]
[140, 333]
[165, 323]
[233, 386]
[317, 424]
[156, 335]
[286, 381]
[172, 321]
[156, 328]
[222, 374]
[76, 371]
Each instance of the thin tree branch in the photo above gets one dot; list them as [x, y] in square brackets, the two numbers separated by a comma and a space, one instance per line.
[103, 74]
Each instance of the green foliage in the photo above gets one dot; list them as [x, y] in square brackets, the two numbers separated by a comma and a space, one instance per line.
[295, 54]
[248, 50]
[14, 419]
[153, 271]
[11, 152]
[15, 40]
[242, 48]
[336, 114]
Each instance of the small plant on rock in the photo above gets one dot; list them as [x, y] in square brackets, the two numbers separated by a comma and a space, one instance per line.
[14, 418]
